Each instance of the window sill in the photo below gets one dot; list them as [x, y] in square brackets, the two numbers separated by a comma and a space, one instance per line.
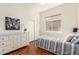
[54, 31]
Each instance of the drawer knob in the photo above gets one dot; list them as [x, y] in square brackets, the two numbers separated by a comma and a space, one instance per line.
[3, 50]
[2, 38]
[2, 43]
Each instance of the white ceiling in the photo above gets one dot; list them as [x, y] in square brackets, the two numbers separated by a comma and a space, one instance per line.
[39, 6]
[43, 7]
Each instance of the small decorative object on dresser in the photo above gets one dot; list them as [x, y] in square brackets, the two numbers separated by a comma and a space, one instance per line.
[25, 29]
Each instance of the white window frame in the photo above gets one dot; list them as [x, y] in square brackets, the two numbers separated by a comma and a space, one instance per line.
[50, 18]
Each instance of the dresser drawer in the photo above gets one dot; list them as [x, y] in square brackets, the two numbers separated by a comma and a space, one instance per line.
[5, 49]
[24, 44]
[2, 51]
[3, 38]
[2, 44]
[7, 43]
[11, 38]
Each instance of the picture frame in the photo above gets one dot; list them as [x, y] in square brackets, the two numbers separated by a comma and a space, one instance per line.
[12, 23]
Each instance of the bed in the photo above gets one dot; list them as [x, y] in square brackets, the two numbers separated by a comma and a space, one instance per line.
[57, 45]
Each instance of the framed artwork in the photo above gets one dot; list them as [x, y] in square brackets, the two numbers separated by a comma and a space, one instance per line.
[12, 23]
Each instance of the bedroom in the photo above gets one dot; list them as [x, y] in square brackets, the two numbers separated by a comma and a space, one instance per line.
[28, 23]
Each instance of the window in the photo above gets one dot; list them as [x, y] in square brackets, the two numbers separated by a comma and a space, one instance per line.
[53, 23]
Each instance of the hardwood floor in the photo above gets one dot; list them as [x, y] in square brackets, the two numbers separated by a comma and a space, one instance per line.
[30, 50]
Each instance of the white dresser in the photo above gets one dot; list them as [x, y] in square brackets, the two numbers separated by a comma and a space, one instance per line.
[13, 41]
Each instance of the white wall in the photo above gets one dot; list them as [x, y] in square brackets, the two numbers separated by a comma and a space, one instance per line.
[25, 12]
[11, 10]
[20, 11]
[69, 17]
[33, 11]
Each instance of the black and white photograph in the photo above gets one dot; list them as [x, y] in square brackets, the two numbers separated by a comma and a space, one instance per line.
[12, 23]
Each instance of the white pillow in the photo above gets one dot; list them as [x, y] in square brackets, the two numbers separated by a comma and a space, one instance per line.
[69, 37]
[75, 39]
